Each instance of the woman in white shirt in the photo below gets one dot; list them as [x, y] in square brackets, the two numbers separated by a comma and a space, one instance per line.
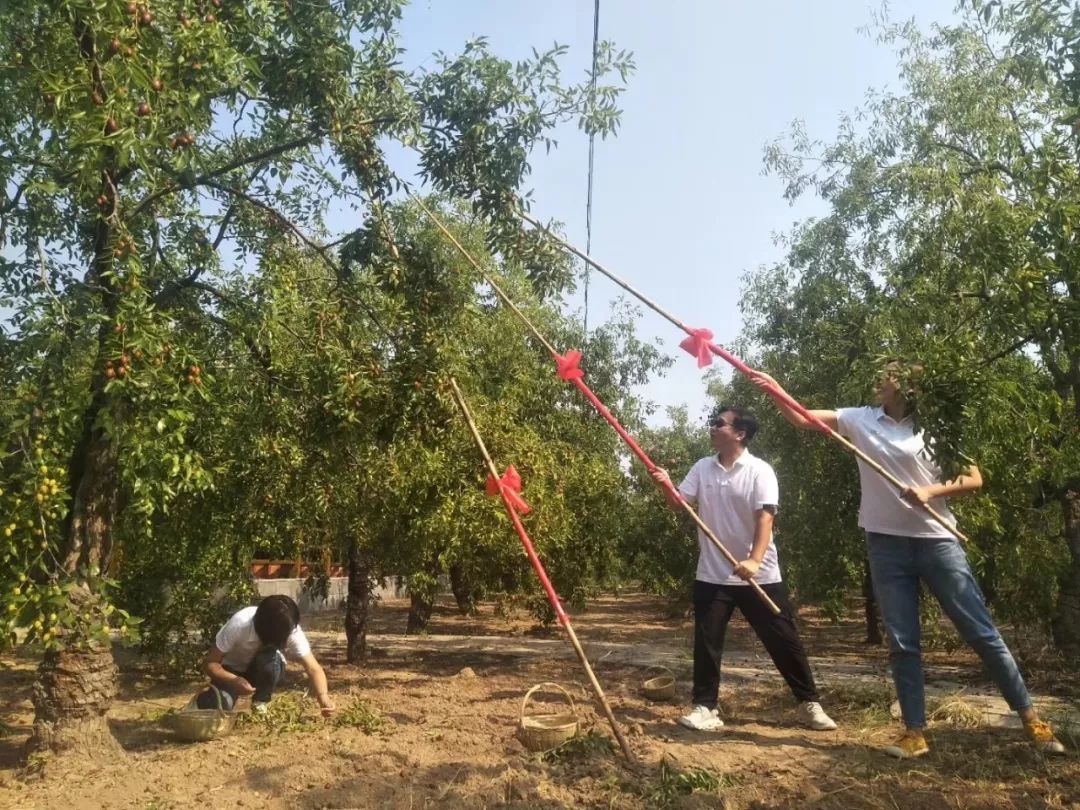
[906, 545]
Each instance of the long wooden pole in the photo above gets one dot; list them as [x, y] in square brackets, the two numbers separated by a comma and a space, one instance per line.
[598, 405]
[776, 393]
[556, 603]
[676, 495]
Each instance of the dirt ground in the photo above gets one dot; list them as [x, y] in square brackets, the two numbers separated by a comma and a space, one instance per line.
[434, 727]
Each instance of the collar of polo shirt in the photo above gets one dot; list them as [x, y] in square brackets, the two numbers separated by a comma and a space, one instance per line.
[879, 414]
[742, 459]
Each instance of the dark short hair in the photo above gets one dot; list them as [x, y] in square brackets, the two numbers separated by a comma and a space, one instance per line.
[745, 422]
[275, 619]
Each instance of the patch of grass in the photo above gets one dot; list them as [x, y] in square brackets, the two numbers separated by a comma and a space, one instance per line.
[291, 712]
[952, 710]
[864, 704]
[34, 766]
[986, 767]
[992, 755]
[507, 606]
[158, 715]
[670, 784]
[1067, 729]
[357, 714]
[581, 746]
[287, 712]
[6, 730]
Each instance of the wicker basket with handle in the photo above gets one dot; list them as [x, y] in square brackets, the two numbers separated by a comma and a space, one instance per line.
[197, 725]
[542, 732]
[659, 687]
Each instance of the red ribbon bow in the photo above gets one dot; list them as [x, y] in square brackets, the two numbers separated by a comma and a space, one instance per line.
[568, 366]
[510, 483]
[697, 344]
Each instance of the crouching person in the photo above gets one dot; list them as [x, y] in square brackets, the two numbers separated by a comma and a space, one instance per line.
[249, 654]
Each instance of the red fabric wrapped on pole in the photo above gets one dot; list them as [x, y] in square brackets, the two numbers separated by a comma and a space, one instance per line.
[505, 490]
[698, 340]
[509, 486]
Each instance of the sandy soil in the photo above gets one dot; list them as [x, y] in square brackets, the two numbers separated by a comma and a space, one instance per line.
[447, 736]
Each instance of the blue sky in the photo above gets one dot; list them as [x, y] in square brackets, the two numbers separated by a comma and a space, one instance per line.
[680, 206]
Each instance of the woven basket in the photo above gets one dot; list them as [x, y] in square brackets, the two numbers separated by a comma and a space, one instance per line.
[659, 687]
[198, 725]
[542, 732]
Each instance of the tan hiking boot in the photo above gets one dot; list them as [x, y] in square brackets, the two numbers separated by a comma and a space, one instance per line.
[1042, 737]
[908, 745]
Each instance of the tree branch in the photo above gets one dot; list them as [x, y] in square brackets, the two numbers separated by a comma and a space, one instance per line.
[237, 163]
[1019, 344]
[993, 165]
[320, 250]
[165, 296]
[240, 162]
[260, 354]
[284, 220]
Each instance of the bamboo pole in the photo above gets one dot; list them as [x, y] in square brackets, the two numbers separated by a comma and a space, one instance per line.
[600, 407]
[776, 393]
[553, 597]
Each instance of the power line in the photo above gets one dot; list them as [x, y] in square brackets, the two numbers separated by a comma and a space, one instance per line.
[592, 139]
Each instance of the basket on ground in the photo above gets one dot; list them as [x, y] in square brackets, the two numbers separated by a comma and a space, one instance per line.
[198, 725]
[659, 687]
[542, 732]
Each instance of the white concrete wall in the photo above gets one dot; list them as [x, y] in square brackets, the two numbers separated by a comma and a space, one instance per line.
[295, 588]
[337, 592]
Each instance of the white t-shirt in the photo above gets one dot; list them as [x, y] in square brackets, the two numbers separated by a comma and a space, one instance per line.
[726, 502]
[896, 447]
[239, 641]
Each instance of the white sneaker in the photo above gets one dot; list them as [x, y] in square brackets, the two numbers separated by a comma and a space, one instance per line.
[260, 708]
[702, 719]
[813, 716]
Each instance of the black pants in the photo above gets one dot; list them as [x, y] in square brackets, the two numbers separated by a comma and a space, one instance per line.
[713, 607]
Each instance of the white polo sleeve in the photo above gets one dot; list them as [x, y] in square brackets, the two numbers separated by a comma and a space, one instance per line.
[230, 632]
[297, 646]
[691, 483]
[766, 488]
[848, 421]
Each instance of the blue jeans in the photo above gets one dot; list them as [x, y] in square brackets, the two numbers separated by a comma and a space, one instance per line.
[264, 672]
[896, 566]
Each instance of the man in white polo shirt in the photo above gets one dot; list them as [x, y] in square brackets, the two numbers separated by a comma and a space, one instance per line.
[249, 654]
[737, 495]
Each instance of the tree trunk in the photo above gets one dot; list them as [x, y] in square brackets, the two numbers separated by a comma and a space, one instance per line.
[464, 593]
[1066, 624]
[95, 494]
[423, 588]
[873, 626]
[510, 580]
[73, 692]
[420, 607]
[357, 603]
[76, 686]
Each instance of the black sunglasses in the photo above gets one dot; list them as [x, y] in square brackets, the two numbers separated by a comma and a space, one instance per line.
[718, 424]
